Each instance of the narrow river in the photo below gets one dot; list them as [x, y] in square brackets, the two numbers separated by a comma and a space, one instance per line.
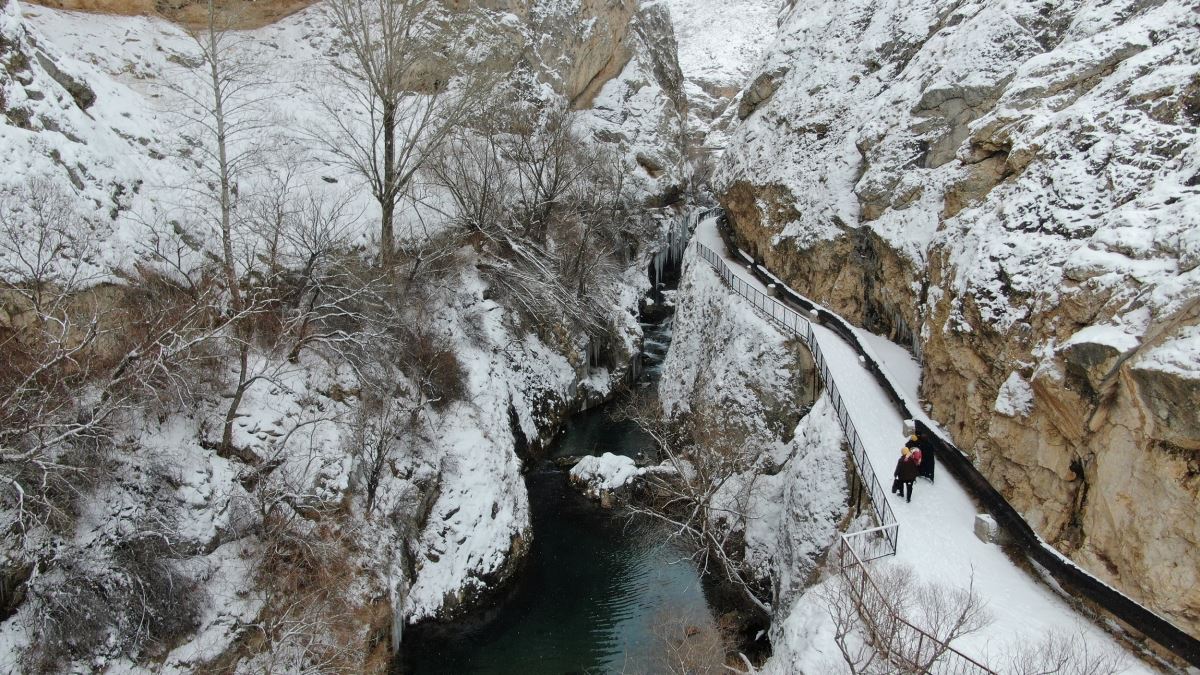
[600, 593]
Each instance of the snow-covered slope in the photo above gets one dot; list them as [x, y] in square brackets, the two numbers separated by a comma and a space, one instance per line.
[729, 366]
[720, 43]
[97, 105]
[127, 150]
[1014, 186]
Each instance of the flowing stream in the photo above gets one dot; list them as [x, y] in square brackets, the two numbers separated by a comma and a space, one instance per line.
[599, 593]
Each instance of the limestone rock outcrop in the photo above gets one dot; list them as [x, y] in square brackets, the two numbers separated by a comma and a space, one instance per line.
[1011, 189]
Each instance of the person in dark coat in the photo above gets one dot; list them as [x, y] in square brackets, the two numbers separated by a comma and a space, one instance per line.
[906, 474]
[921, 439]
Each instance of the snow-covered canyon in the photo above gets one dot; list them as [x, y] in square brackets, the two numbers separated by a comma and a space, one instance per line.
[394, 487]
[1008, 189]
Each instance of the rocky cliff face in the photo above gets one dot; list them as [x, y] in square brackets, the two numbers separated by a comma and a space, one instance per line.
[1013, 189]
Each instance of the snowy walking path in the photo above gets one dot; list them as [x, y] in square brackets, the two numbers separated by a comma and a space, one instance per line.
[936, 530]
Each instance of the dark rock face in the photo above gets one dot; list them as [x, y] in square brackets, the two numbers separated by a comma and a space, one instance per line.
[79, 90]
[760, 90]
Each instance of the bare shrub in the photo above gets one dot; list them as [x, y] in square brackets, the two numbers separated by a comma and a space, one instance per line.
[162, 600]
[887, 620]
[546, 209]
[1062, 653]
[74, 616]
[306, 623]
[706, 496]
[430, 358]
[56, 341]
[690, 645]
[137, 603]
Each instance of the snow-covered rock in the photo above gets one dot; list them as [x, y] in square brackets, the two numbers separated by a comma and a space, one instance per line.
[728, 363]
[600, 476]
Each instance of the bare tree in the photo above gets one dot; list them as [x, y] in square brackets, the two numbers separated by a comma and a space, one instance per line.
[399, 113]
[471, 167]
[225, 94]
[49, 340]
[1062, 653]
[692, 498]
[546, 209]
[77, 353]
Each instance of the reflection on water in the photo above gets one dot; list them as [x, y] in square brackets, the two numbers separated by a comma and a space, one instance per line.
[594, 590]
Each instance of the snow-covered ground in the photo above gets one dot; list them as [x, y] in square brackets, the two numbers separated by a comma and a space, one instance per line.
[936, 538]
[720, 41]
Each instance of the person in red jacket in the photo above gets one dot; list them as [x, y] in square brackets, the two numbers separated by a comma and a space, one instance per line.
[914, 447]
[906, 474]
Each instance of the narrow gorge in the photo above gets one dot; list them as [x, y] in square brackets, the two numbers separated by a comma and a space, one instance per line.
[545, 336]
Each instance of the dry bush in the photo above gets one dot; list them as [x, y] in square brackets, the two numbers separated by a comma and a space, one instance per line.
[163, 600]
[1062, 653]
[873, 618]
[306, 623]
[431, 360]
[73, 620]
[138, 602]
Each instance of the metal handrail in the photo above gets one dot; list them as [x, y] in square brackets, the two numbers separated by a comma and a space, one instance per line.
[919, 647]
[801, 327]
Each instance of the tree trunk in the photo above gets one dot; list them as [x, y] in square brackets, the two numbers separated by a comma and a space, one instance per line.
[223, 169]
[387, 195]
[227, 448]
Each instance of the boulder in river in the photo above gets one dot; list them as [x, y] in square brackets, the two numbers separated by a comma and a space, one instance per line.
[605, 477]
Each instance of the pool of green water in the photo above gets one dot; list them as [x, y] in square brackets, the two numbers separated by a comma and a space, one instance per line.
[598, 593]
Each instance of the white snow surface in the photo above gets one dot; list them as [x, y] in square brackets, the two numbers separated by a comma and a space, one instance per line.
[936, 537]
[904, 370]
[1179, 355]
[605, 472]
[720, 41]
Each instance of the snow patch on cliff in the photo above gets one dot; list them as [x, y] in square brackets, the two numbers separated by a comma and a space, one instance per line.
[1015, 398]
[1179, 355]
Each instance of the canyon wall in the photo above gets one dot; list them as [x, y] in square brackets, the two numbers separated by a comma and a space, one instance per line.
[1013, 190]
[745, 385]
[90, 111]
